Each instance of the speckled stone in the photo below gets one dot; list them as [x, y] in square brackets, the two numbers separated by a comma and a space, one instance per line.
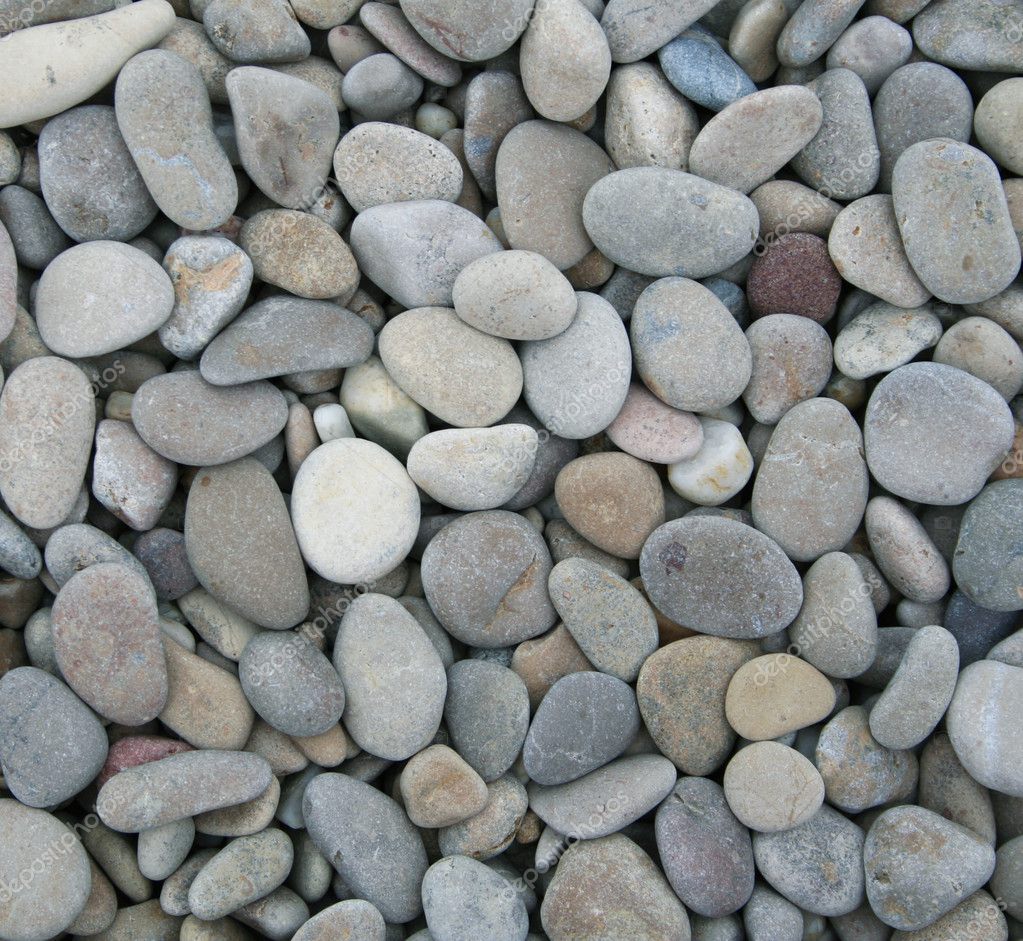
[129, 478]
[787, 206]
[393, 30]
[772, 787]
[795, 275]
[462, 897]
[775, 694]
[904, 552]
[540, 663]
[947, 789]
[189, 40]
[648, 429]
[357, 916]
[18, 554]
[469, 31]
[812, 29]
[768, 917]
[982, 348]
[635, 28]
[873, 48]
[494, 104]
[987, 561]
[8, 284]
[701, 70]
[979, 915]
[975, 36]
[439, 788]
[381, 86]
[162, 553]
[37, 238]
[264, 31]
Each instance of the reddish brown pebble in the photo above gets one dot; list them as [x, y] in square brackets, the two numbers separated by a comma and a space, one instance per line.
[138, 750]
[795, 275]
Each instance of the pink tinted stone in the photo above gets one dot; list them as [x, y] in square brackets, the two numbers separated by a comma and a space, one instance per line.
[652, 431]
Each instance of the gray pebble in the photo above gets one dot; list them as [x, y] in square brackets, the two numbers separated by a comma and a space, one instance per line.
[701, 70]
[490, 832]
[357, 916]
[988, 564]
[257, 31]
[76, 546]
[983, 349]
[469, 30]
[18, 554]
[463, 898]
[813, 28]
[36, 236]
[161, 850]
[970, 36]
[494, 104]
[904, 552]
[770, 917]
[873, 48]
[380, 87]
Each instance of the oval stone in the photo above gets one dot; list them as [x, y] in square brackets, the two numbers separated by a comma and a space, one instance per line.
[988, 559]
[469, 30]
[772, 787]
[775, 694]
[980, 35]
[462, 898]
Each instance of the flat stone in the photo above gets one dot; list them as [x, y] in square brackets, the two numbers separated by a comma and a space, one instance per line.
[469, 31]
[987, 561]
[463, 897]
[775, 694]
[648, 429]
[698, 67]
[794, 275]
[883, 337]
[76, 546]
[129, 478]
[771, 787]
[248, 868]
[980, 911]
[262, 31]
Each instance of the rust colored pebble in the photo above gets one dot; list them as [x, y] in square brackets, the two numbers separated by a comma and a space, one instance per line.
[795, 275]
[138, 750]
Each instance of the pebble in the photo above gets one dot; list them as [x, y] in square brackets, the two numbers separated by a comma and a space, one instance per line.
[977, 36]
[187, 420]
[380, 87]
[906, 454]
[264, 31]
[702, 71]
[987, 560]
[771, 787]
[394, 31]
[462, 897]
[117, 294]
[983, 349]
[36, 236]
[811, 30]
[768, 917]
[718, 471]
[648, 429]
[439, 788]
[904, 552]
[494, 104]
[130, 479]
[753, 36]
[979, 915]
[873, 48]
[469, 31]
[358, 917]
[787, 206]
[794, 275]
[705, 851]
[162, 850]
[491, 831]
[775, 694]
[379, 409]
[8, 285]
[996, 113]
[947, 789]
[52, 745]
[18, 554]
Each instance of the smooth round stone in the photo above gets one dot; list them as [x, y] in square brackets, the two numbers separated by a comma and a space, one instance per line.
[1005, 309]
[18, 554]
[702, 71]
[162, 850]
[517, 295]
[988, 561]
[979, 915]
[380, 87]
[904, 552]
[975, 36]
[181, 161]
[718, 471]
[753, 36]
[51, 743]
[380, 410]
[46, 424]
[980, 723]
[8, 284]
[918, 102]
[394, 31]
[260, 31]
[933, 433]
[462, 897]
[648, 429]
[438, 788]
[393, 679]
[117, 295]
[938, 179]
[491, 831]
[997, 114]
[811, 30]
[817, 865]
[705, 851]
[474, 468]
[543, 173]
[604, 888]
[463, 376]
[635, 28]
[771, 787]
[787, 206]
[36, 236]
[811, 489]
[357, 917]
[487, 715]
[355, 511]
[647, 123]
[873, 48]
[976, 628]
[983, 349]
[576, 382]
[947, 789]
[586, 808]
[371, 843]
[469, 31]
[290, 166]
[767, 917]
[378, 163]
[775, 694]
[858, 771]
[785, 119]
[669, 223]
[720, 577]
[187, 420]
[415, 250]
[689, 350]
[47, 904]
[350, 43]
[190, 41]
[1005, 882]
[73, 547]
[564, 59]
[106, 636]
[494, 104]
[613, 500]
[919, 866]
[130, 479]
[89, 181]
[485, 577]
[10, 160]
[795, 275]
[291, 334]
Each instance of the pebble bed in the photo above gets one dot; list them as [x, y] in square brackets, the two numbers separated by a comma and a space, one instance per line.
[511, 470]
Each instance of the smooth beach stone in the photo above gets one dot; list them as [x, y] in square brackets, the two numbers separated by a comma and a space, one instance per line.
[359, 918]
[720, 577]
[919, 866]
[76, 546]
[394, 31]
[8, 285]
[190, 421]
[485, 577]
[517, 295]
[473, 468]
[979, 915]
[129, 478]
[118, 856]
[576, 382]
[873, 48]
[977, 35]
[982, 348]
[811, 488]
[543, 174]
[36, 236]
[241, 819]
[1006, 879]
[918, 102]
[689, 350]
[51, 743]
[609, 888]
[785, 119]
[635, 29]
[90, 182]
[189, 40]
[980, 723]
[378, 163]
[669, 223]
[183, 165]
[787, 206]
[162, 850]
[1005, 309]
[817, 865]
[705, 851]
[795, 275]
[100, 908]
[648, 123]
[283, 335]
[18, 554]
[380, 410]
[701, 70]
[50, 68]
[50, 902]
[46, 424]
[380, 87]
[415, 250]
[718, 471]
[106, 637]
[286, 130]
[866, 248]
[145, 920]
[812, 29]
[998, 112]
[791, 362]
[463, 897]
[491, 831]
[767, 917]
[613, 500]
[370, 842]
[393, 679]
[947, 789]
[933, 433]
[988, 562]
[116, 292]
[469, 31]
[463, 376]
[439, 788]
[606, 800]
[771, 787]
[904, 552]
[775, 694]
[349, 43]
[648, 429]
[211, 277]
[494, 104]
[938, 180]
[564, 59]
[223, 629]
[261, 31]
